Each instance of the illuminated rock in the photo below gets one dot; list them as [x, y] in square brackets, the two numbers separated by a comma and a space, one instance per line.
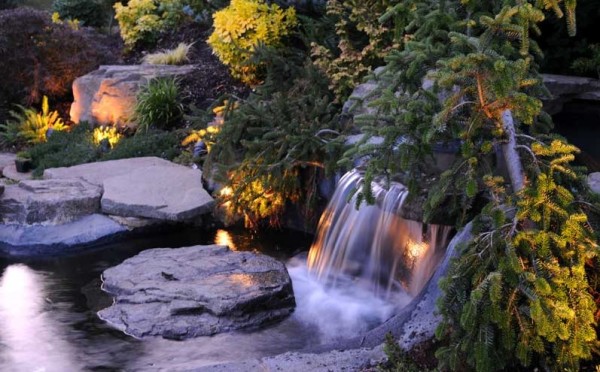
[107, 96]
[593, 180]
[196, 291]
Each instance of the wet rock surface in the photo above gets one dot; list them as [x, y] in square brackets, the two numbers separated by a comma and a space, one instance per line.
[196, 291]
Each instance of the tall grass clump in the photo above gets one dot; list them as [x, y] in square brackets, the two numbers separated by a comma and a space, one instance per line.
[158, 105]
[176, 56]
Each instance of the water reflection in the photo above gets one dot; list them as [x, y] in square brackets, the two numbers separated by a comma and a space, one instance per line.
[32, 340]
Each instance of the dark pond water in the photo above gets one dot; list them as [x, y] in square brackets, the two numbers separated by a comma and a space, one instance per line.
[48, 311]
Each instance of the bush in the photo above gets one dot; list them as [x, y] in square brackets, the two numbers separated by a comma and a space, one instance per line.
[34, 126]
[153, 143]
[158, 104]
[143, 20]
[177, 56]
[241, 27]
[92, 13]
[38, 57]
[64, 149]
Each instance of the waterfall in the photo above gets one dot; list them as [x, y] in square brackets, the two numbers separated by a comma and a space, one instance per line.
[372, 246]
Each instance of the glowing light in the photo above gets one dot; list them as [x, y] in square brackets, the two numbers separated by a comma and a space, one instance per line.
[415, 249]
[226, 191]
[106, 133]
[223, 237]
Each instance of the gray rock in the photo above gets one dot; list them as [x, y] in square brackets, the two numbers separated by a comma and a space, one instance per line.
[49, 201]
[107, 96]
[10, 172]
[22, 240]
[593, 181]
[96, 173]
[6, 159]
[347, 360]
[196, 291]
[165, 193]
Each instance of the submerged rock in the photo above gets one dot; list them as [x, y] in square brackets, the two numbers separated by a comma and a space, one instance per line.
[196, 291]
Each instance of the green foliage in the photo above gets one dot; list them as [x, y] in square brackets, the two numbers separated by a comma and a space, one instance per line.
[33, 126]
[158, 105]
[591, 64]
[241, 27]
[365, 37]
[176, 56]
[92, 13]
[273, 145]
[397, 359]
[518, 294]
[64, 149]
[152, 143]
[144, 20]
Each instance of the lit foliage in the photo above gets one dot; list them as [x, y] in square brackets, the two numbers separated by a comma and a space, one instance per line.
[144, 20]
[73, 23]
[176, 56]
[518, 293]
[158, 105]
[33, 126]
[273, 146]
[364, 39]
[241, 27]
[106, 133]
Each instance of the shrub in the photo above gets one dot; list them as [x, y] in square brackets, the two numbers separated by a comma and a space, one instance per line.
[38, 57]
[92, 13]
[64, 149]
[158, 104]
[177, 56]
[241, 27]
[143, 20]
[152, 143]
[33, 126]
[8, 4]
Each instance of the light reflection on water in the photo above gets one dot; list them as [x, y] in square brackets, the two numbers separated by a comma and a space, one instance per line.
[48, 316]
[27, 325]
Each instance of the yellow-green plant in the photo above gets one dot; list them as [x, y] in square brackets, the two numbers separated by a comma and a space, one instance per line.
[176, 56]
[242, 26]
[33, 125]
[143, 20]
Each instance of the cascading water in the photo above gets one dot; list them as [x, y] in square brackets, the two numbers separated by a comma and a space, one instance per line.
[373, 246]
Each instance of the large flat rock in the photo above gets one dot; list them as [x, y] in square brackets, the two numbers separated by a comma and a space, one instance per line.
[6, 159]
[24, 240]
[196, 291]
[96, 173]
[107, 96]
[160, 192]
[50, 202]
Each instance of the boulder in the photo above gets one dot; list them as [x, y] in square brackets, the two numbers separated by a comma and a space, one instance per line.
[159, 192]
[50, 202]
[10, 172]
[7, 159]
[97, 173]
[593, 181]
[107, 96]
[38, 240]
[196, 291]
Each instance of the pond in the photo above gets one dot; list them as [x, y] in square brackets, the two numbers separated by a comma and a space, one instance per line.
[48, 311]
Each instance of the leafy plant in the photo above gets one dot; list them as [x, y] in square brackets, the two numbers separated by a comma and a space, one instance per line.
[42, 58]
[91, 13]
[158, 105]
[143, 20]
[591, 64]
[35, 126]
[273, 145]
[241, 27]
[176, 56]
[152, 143]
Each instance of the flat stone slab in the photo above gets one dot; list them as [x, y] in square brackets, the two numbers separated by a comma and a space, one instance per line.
[6, 159]
[97, 173]
[10, 172]
[196, 291]
[22, 240]
[160, 192]
[50, 202]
